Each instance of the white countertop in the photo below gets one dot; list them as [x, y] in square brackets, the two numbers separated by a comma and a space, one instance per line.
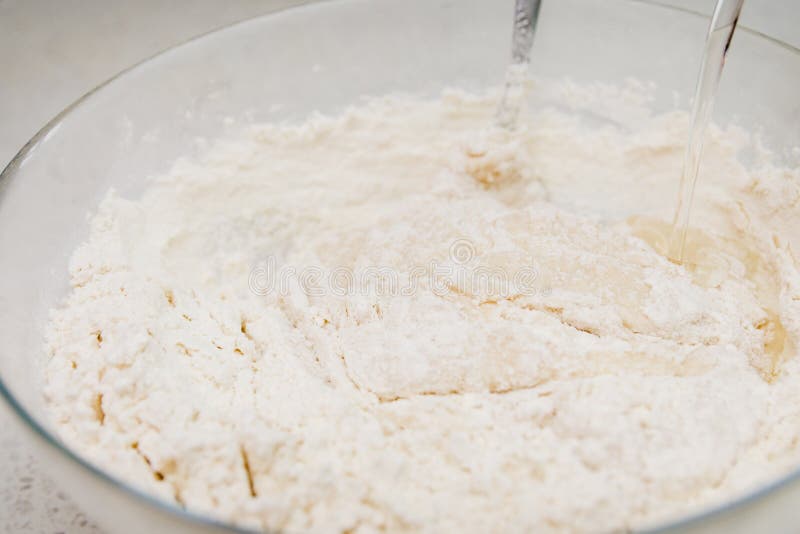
[52, 52]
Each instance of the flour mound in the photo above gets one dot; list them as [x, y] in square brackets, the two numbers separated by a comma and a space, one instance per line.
[395, 320]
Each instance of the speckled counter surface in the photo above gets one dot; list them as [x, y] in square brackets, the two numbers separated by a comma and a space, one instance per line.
[53, 51]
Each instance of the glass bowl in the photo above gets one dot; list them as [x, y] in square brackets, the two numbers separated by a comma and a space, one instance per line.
[324, 56]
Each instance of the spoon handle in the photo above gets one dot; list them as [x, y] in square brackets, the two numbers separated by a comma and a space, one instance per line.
[526, 13]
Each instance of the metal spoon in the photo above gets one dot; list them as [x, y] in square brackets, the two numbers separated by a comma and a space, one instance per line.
[526, 14]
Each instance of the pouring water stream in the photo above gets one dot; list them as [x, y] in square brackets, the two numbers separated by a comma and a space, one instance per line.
[720, 32]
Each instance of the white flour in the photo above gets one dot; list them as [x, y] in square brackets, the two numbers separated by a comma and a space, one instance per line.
[588, 384]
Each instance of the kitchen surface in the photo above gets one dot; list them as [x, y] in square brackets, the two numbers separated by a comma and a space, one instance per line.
[51, 53]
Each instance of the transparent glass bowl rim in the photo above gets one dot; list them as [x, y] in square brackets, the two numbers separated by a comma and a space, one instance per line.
[8, 174]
